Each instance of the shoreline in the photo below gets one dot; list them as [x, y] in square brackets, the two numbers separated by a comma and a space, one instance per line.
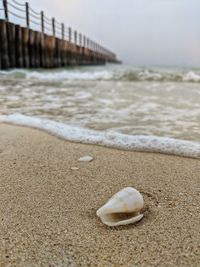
[138, 143]
[49, 209]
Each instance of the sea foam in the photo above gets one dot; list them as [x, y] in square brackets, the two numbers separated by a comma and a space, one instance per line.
[108, 138]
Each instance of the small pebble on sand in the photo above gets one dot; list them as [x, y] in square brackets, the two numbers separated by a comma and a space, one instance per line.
[85, 159]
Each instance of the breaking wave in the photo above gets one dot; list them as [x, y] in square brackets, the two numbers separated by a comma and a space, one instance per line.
[110, 74]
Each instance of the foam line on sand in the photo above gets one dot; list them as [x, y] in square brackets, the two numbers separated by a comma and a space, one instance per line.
[108, 138]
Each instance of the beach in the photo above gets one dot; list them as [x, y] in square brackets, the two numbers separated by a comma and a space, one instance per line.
[49, 201]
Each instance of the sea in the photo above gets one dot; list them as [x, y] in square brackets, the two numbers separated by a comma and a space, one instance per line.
[153, 109]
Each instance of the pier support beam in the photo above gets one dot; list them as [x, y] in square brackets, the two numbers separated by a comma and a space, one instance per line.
[19, 47]
[32, 52]
[11, 44]
[38, 37]
[25, 40]
[4, 45]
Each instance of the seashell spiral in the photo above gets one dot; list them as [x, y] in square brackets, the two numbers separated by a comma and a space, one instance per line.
[123, 208]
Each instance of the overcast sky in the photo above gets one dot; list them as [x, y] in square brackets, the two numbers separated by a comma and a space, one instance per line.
[141, 32]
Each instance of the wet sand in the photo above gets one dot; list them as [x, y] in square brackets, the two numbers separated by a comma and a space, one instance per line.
[48, 211]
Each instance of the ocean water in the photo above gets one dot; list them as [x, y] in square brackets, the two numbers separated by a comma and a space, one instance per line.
[145, 109]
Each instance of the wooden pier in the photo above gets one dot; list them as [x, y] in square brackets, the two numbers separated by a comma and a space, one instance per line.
[41, 42]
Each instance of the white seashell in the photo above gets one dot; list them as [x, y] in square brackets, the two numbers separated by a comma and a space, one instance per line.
[123, 208]
[85, 159]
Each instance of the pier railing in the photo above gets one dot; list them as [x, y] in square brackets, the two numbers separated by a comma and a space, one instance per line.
[19, 21]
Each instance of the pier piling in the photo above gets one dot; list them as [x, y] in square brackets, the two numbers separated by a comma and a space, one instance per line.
[19, 47]
[25, 41]
[4, 45]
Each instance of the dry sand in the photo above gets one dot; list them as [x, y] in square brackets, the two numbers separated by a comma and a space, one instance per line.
[47, 210]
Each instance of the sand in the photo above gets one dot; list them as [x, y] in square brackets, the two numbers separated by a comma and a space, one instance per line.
[48, 210]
